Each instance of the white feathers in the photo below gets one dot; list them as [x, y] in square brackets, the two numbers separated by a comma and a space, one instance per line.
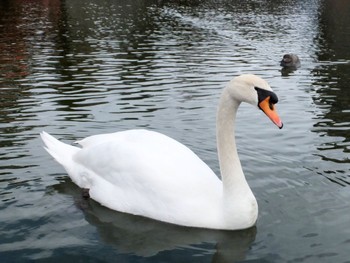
[149, 174]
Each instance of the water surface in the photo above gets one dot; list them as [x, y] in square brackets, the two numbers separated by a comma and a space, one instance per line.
[78, 68]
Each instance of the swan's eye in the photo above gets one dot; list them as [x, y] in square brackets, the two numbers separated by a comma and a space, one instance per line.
[263, 94]
[273, 98]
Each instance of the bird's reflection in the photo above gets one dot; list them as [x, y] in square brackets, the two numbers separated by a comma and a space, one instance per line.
[286, 71]
[146, 237]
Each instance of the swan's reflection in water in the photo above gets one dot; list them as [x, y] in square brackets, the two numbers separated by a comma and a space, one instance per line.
[145, 237]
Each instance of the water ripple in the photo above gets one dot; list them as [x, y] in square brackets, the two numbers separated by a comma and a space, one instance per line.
[76, 70]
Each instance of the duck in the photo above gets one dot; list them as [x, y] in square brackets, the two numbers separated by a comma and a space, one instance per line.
[149, 174]
[290, 61]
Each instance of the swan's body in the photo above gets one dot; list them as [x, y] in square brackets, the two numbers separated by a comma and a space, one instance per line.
[149, 174]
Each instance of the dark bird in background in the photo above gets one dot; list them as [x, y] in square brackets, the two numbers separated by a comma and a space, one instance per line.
[290, 61]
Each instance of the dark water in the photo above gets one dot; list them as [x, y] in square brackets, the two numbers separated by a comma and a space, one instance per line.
[76, 68]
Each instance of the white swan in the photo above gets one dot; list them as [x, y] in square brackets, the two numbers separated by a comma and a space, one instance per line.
[149, 174]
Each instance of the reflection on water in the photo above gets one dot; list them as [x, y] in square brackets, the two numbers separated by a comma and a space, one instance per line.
[144, 237]
[77, 68]
[332, 92]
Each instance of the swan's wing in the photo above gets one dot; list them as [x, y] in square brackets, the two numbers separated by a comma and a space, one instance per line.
[141, 169]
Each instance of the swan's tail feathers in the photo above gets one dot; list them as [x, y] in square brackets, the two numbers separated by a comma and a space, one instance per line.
[62, 152]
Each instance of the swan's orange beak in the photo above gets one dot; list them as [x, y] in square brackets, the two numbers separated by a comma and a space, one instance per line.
[269, 109]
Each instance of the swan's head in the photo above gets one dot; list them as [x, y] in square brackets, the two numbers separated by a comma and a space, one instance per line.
[257, 92]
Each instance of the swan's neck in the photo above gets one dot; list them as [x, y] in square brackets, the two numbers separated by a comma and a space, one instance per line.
[234, 182]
